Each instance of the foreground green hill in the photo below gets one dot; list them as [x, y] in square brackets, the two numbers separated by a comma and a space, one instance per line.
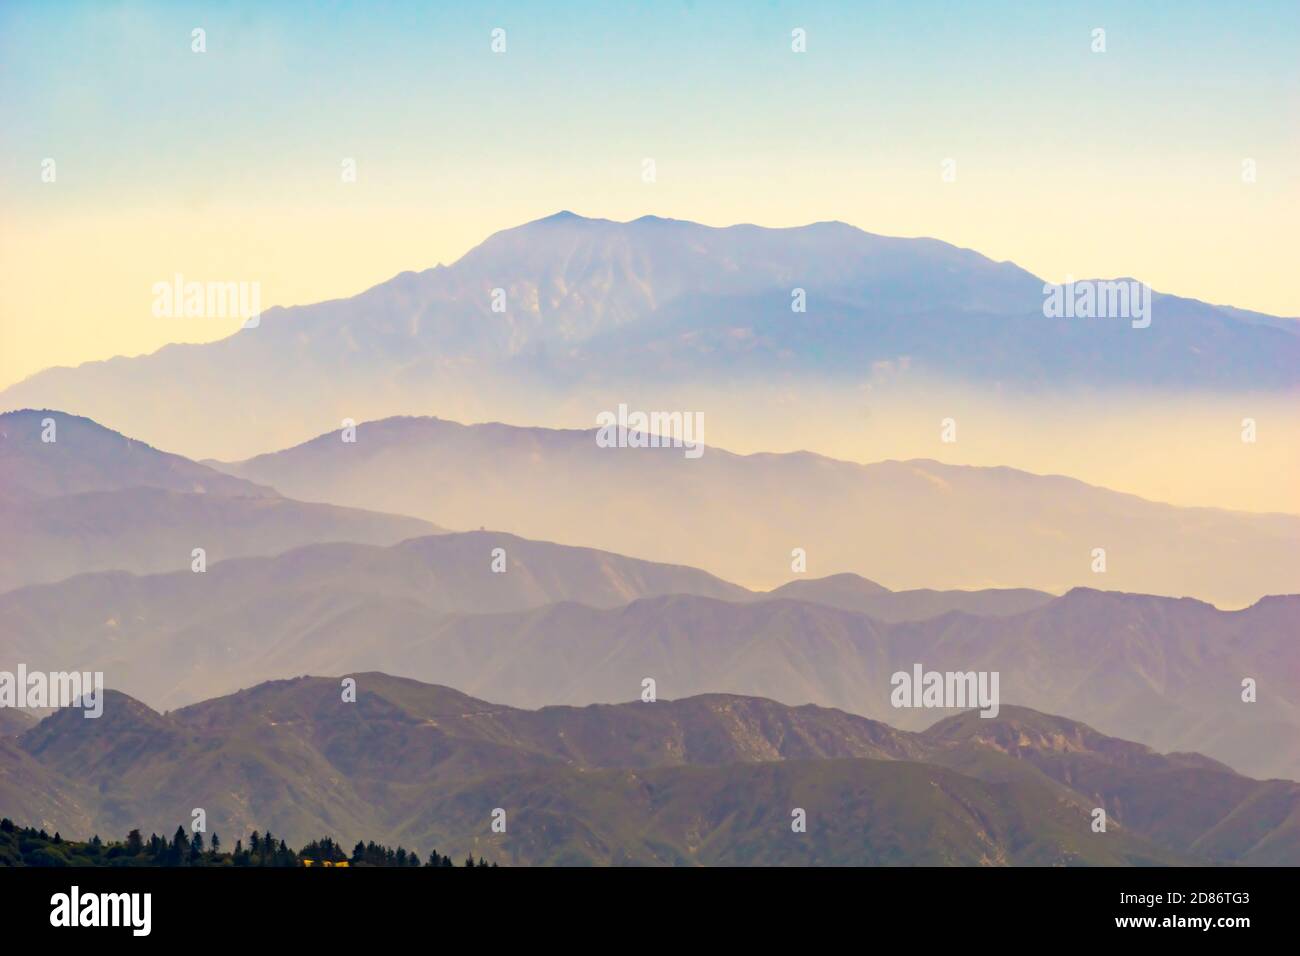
[859, 813]
[713, 779]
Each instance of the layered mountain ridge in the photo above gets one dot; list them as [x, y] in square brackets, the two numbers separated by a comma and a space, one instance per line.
[77, 497]
[709, 779]
[532, 623]
[907, 524]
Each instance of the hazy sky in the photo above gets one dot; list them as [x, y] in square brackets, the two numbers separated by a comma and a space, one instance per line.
[226, 165]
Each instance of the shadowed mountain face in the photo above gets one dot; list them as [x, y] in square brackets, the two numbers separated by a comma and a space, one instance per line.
[709, 779]
[13, 722]
[1166, 672]
[31, 791]
[94, 500]
[1163, 671]
[909, 524]
[1179, 800]
[591, 305]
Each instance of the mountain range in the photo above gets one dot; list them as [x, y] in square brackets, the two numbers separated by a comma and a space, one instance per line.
[906, 524]
[96, 500]
[564, 625]
[767, 595]
[93, 499]
[708, 779]
[553, 319]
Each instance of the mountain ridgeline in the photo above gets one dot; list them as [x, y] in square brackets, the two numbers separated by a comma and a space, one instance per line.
[711, 779]
[652, 308]
[906, 524]
[531, 623]
[78, 497]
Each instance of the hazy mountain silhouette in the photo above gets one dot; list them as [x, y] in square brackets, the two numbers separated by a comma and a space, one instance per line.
[78, 456]
[908, 524]
[94, 500]
[556, 628]
[595, 304]
[851, 592]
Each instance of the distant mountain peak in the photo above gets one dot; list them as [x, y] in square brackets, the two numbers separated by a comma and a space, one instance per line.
[563, 216]
[541, 314]
[1088, 596]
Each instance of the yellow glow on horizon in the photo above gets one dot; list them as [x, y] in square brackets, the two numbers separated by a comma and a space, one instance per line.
[76, 285]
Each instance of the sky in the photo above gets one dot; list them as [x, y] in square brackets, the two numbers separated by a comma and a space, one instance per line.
[227, 165]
